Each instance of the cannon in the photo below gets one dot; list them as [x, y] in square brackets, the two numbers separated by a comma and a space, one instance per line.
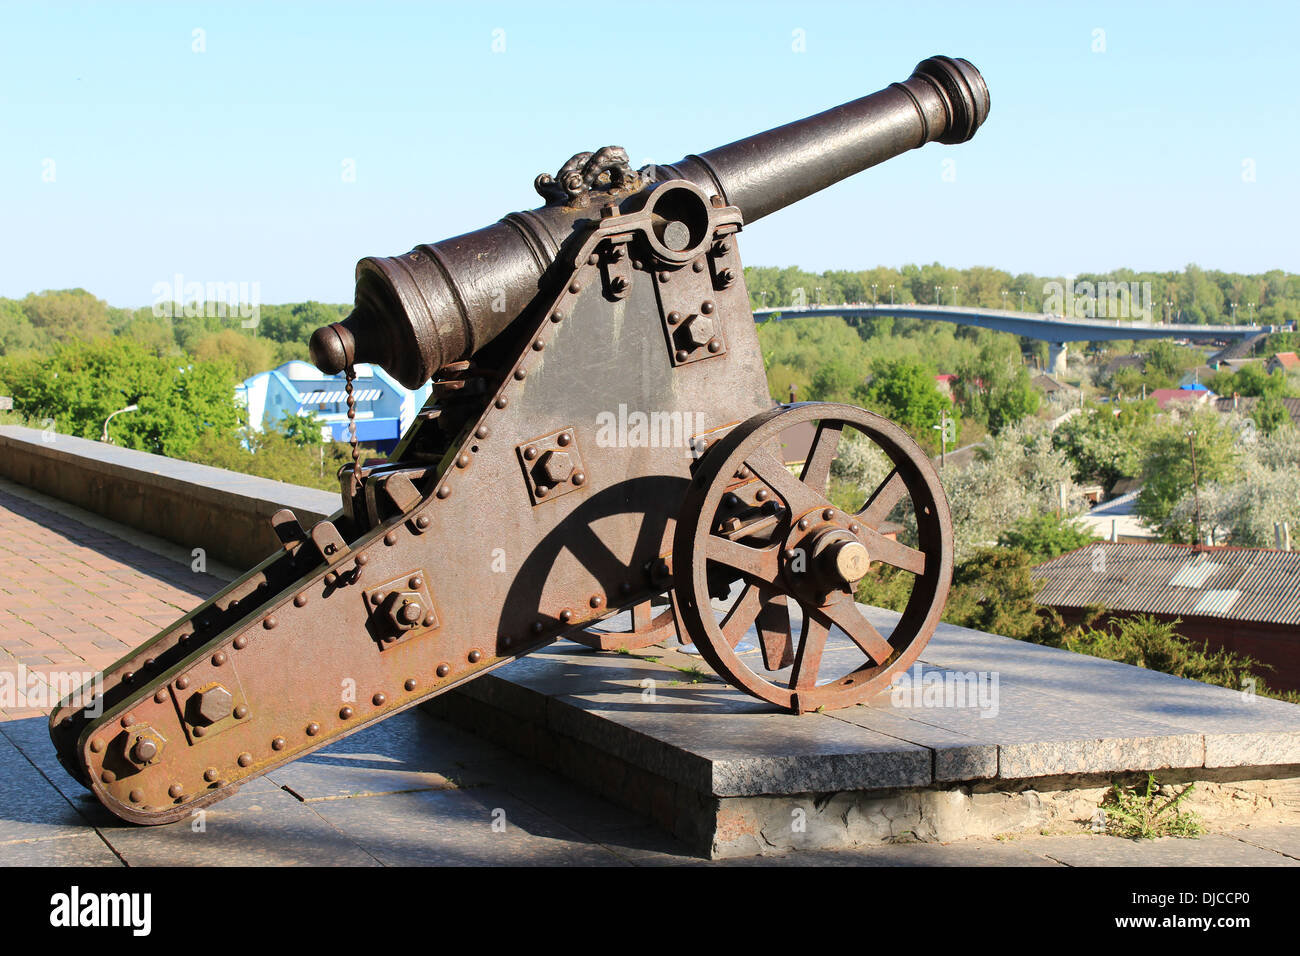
[599, 446]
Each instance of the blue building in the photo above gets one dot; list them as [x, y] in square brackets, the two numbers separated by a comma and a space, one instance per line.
[384, 407]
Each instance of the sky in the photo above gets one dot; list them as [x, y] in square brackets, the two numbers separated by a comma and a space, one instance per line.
[275, 144]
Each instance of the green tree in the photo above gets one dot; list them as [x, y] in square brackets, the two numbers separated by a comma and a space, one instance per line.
[993, 591]
[1104, 446]
[302, 430]
[836, 381]
[905, 391]
[273, 454]
[995, 387]
[1045, 536]
[68, 314]
[247, 354]
[80, 384]
[1167, 472]
[1270, 414]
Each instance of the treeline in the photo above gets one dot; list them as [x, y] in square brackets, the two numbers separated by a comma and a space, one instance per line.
[69, 361]
[1198, 296]
[890, 366]
[274, 334]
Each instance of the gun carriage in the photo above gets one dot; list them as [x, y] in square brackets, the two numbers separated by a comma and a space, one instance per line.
[513, 513]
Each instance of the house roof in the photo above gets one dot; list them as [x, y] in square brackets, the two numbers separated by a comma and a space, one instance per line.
[1287, 359]
[1124, 361]
[1245, 405]
[1164, 396]
[1240, 584]
[1049, 384]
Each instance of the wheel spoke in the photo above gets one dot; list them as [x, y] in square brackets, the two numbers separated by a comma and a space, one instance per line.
[882, 501]
[757, 563]
[812, 641]
[741, 616]
[798, 497]
[843, 613]
[773, 625]
[893, 552]
[817, 469]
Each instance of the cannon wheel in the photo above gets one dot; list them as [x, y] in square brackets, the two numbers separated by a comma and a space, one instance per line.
[802, 550]
[646, 628]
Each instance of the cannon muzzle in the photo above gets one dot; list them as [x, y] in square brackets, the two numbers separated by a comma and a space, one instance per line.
[442, 302]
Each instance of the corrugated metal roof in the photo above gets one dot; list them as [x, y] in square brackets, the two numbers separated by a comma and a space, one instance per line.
[323, 398]
[1243, 584]
[1245, 404]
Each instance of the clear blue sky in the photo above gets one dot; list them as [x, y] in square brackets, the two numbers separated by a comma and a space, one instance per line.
[226, 165]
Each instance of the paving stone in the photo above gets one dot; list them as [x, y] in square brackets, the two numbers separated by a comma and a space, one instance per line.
[455, 827]
[1279, 839]
[965, 853]
[549, 793]
[32, 737]
[409, 751]
[1214, 849]
[81, 849]
[252, 828]
[30, 807]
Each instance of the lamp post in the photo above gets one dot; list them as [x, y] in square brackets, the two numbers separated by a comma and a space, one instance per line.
[1196, 485]
[1004, 300]
[1252, 312]
[942, 428]
[891, 293]
[936, 295]
[873, 294]
[104, 436]
[1234, 313]
[1022, 300]
[954, 296]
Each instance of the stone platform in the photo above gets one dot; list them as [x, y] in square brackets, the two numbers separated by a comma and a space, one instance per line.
[992, 736]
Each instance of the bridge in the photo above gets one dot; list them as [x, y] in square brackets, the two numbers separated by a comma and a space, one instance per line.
[1055, 330]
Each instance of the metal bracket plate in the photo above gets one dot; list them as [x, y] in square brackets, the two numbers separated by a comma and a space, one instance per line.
[552, 465]
[400, 607]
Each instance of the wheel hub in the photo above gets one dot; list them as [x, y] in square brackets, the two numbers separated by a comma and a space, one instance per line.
[823, 553]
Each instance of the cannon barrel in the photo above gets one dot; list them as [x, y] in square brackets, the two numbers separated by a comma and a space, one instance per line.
[442, 302]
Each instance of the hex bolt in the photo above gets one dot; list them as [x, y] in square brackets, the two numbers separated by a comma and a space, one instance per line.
[555, 467]
[698, 331]
[215, 703]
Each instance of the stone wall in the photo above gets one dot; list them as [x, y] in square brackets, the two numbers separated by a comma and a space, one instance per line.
[196, 506]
